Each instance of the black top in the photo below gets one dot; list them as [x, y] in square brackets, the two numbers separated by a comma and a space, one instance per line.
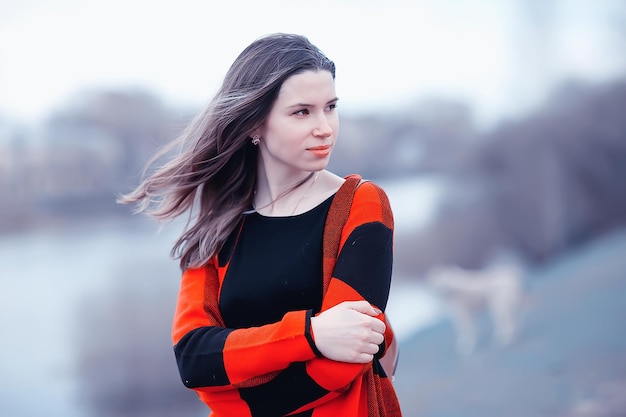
[275, 267]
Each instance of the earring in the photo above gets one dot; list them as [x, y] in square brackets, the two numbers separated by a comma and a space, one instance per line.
[256, 139]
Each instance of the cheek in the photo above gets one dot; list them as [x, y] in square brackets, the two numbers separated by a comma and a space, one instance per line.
[335, 125]
[284, 136]
[283, 142]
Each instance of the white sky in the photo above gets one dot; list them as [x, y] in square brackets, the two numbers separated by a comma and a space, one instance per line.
[388, 53]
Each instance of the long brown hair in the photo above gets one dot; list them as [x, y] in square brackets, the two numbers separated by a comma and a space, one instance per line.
[213, 174]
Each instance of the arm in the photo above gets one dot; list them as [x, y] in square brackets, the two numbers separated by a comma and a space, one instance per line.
[211, 355]
[362, 273]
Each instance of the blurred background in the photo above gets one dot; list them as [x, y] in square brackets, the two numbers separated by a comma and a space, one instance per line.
[497, 127]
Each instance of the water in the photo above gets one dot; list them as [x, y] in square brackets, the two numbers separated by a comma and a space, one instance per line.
[414, 200]
[411, 308]
[45, 277]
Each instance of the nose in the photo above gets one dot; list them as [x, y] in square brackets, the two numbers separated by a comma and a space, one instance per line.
[323, 129]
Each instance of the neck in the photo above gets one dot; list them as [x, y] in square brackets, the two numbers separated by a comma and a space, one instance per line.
[267, 195]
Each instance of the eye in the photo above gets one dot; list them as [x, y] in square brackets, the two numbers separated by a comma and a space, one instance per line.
[331, 107]
[302, 112]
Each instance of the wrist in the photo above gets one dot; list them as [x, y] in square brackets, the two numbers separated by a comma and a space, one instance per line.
[308, 333]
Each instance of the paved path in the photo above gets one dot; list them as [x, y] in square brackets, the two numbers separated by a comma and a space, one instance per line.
[569, 361]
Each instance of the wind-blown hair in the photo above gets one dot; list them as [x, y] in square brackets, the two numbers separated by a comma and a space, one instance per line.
[213, 175]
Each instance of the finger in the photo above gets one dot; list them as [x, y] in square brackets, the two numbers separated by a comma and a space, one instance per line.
[374, 338]
[371, 349]
[377, 339]
[378, 326]
[365, 358]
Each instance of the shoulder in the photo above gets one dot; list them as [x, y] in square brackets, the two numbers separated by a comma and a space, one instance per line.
[330, 182]
[371, 204]
[369, 191]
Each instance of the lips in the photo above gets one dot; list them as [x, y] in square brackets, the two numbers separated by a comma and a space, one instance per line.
[320, 151]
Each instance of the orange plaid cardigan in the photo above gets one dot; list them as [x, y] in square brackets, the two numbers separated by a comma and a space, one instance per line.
[276, 370]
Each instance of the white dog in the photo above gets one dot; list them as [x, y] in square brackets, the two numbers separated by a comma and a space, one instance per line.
[465, 293]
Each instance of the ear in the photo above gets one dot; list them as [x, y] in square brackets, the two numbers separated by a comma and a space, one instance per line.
[258, 130]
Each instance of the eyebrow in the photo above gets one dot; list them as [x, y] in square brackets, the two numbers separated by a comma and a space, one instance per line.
[334, 100]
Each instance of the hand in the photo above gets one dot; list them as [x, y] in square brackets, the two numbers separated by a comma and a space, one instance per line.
[348, 332]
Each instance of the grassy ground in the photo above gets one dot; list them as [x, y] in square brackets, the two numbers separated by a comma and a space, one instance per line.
[569, 360]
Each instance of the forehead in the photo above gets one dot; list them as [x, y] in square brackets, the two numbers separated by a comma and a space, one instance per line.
[308, 86]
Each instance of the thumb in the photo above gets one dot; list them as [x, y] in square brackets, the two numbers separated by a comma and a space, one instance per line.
[365, 308]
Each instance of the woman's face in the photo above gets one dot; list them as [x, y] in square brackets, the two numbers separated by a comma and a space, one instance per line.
[301, 128]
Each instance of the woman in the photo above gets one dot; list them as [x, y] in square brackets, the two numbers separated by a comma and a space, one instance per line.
[259, 330]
